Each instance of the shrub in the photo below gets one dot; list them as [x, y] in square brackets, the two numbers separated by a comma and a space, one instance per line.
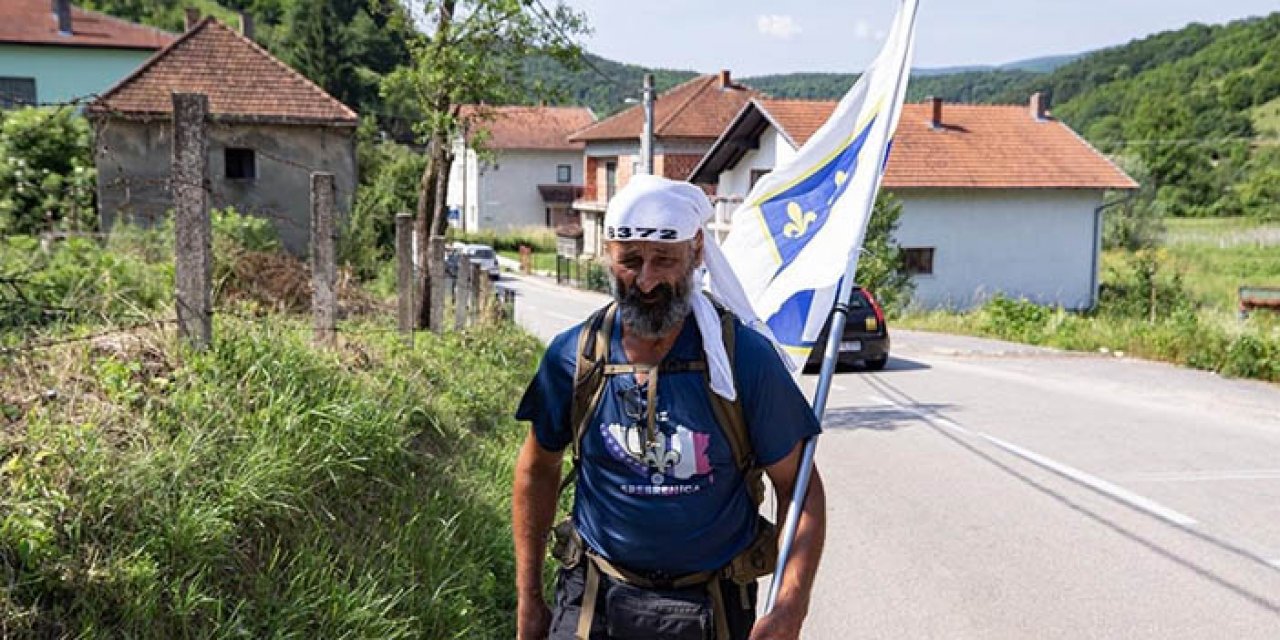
[881, 267]
[78, 280]
[390, 175]
[1148, 286]
[541, 239]
[1014, 319]
[1251, 356]
[47, 176]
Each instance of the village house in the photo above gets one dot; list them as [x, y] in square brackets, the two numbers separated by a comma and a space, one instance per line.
[529, 173]
[995, 198]
[687, 119]
[269, 128]
[52, 52]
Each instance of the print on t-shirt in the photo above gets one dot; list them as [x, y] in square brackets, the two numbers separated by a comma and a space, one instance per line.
[677, 453]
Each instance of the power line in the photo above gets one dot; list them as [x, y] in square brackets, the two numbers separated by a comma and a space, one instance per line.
[550, 20]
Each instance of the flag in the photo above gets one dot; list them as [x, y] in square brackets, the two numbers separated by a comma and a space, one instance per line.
[796, 231]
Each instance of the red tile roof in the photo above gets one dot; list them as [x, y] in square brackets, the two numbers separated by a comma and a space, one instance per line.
[33, 22]
[978, 146]
[699, 108]
[242, 80]
[517, 127]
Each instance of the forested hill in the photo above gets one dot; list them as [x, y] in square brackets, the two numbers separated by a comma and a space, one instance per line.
[345, 46]
[1193, 113]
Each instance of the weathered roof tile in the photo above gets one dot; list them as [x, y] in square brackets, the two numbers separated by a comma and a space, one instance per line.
[977, 146]
[524, 127]
[33, 22]
[242, 80]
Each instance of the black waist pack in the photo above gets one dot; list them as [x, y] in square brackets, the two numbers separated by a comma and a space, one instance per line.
[672, 614]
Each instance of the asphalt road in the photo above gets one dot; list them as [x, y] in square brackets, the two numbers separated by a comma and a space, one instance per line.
[980, 489]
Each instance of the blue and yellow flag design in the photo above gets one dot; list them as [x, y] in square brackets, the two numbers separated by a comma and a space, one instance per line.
[797, 231]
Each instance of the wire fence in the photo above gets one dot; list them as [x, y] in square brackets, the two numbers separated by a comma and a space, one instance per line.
[136, 185]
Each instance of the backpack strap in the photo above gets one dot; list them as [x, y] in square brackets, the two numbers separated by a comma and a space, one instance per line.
[729, 412]
[588, 380]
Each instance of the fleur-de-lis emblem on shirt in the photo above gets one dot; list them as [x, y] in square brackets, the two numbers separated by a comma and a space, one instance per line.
[800, 221]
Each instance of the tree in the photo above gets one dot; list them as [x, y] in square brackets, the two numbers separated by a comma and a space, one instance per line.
[46, 171]
[881, 268]
[471, 52]
[317, 48]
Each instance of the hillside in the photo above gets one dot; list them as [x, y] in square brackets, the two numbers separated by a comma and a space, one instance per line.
[1193, 112]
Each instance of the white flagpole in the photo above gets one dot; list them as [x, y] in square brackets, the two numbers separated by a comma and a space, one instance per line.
[829, 358]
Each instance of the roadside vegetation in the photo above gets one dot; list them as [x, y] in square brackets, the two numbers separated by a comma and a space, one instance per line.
[1177, 303]
[261, 488]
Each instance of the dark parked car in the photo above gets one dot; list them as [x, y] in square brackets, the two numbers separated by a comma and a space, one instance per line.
[866, 335]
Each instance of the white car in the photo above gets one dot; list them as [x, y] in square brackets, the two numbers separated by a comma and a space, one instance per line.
[485, 256]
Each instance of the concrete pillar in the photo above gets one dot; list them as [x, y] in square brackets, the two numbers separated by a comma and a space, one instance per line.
[193, 253]
[405, 282]
[324, 259]
[462, 293]
[435, 265]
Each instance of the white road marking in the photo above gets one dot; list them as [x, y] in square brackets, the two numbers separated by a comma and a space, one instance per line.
[1204, 476]
[1096, 483]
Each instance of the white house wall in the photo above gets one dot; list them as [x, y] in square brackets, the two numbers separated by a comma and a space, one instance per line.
[502, 194]
[736, 182]
[1037, 244]
[774, 149]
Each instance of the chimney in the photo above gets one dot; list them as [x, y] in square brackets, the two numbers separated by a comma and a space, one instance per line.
[725, 80]
[1039, 106]
[192, 17]
[935, 112]
[62, 11]
[246, 25]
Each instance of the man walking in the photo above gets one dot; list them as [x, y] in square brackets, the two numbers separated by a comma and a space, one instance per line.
[671, 408]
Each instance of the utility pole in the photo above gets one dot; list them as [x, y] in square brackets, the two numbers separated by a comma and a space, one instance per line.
[646, 139]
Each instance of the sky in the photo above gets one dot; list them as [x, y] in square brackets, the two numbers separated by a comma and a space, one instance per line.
[758, 37]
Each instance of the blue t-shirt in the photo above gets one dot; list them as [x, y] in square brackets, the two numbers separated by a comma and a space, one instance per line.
[691, 513]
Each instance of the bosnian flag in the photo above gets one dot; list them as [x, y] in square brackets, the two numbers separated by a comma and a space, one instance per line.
[796, 231]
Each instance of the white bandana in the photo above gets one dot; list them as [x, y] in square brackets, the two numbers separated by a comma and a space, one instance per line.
[656, 209]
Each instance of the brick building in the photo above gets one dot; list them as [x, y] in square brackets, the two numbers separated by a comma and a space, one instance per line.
[687, 119]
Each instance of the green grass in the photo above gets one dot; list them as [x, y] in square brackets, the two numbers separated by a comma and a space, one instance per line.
[1217, 256]
[1206, 340]
[262, 488]
[543, 262]
[1266, 118]
[1199, 272]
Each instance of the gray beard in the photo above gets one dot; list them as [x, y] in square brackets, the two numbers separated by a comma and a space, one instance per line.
[651, 322]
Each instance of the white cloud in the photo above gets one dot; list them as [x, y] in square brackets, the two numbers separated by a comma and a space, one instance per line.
[776, 26]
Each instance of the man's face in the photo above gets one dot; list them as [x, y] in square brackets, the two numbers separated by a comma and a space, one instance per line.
[652, 282]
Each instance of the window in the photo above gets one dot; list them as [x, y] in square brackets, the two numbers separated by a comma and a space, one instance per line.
[241, 164]
[610, 179]
[756, 174]
[919, 261]
[17, 92]
[564, 173]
